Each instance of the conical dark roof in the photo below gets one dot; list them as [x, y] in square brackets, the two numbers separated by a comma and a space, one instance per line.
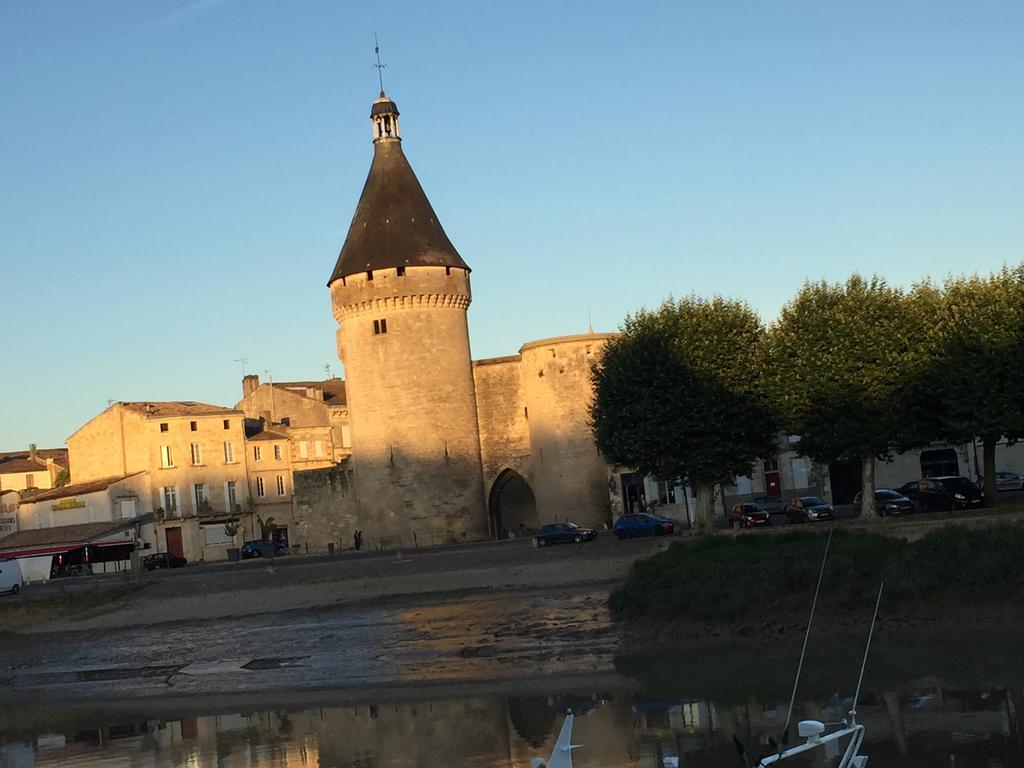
[394, 224]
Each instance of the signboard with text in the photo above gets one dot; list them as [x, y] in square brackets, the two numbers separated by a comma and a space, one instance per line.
[8, 525]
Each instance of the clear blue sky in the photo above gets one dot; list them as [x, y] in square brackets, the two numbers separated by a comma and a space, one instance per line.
[177, 177]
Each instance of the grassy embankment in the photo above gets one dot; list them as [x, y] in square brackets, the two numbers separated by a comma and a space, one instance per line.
[749, 579]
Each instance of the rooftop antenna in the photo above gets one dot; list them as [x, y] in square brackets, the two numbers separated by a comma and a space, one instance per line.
[378, 65]
[327, 370]
[590, 322]
[243, 361]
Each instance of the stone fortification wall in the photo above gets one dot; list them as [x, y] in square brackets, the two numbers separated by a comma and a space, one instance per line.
[570, 478]
[327, 512]
[504, 419]
[415, 440]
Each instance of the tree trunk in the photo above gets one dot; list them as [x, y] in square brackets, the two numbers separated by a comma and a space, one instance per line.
[868, 508]
[988, 461]
[705, 522]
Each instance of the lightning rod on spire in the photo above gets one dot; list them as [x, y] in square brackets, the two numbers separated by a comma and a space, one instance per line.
[378, 65]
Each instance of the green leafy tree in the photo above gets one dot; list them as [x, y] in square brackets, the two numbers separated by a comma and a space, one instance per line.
[973, 384]
[267, 527]
[63, 478]
[842, 357]
[678, 395]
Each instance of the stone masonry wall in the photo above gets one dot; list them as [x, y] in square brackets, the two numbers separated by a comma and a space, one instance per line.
[569, 476]
[504, 422]
[326, 511]
[415, 440]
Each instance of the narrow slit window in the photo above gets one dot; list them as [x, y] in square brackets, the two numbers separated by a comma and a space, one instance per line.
[447, 270]
[400, 271]
[369, 275]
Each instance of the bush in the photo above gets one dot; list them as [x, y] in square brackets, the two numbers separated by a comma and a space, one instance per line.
[723, 579]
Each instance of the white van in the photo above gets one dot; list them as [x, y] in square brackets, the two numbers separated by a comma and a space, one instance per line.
[10, 577]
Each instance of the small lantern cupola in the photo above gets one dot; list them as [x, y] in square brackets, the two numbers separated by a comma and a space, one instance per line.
[384, 115]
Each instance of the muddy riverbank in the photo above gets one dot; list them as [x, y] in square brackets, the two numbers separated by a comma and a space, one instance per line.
[293, 585]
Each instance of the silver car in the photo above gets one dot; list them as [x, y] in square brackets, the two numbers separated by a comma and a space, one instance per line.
[1009, 481]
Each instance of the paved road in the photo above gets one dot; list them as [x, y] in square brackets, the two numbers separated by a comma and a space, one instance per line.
[450, 557]
[296, 568]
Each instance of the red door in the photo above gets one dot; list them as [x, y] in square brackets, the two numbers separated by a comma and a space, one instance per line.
[174, 542]
[772, 485]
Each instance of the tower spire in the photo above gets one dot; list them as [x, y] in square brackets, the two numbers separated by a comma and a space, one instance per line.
[379, 66]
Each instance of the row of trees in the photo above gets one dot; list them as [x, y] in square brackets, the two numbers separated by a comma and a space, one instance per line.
[701, 388]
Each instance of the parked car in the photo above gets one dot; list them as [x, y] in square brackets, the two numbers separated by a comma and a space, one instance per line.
[563, 533]
[808, 509]
[162, 560]
[749, 515]
[887, 502]
[255, 548]
[935, 494]
[1008, 481]
[770, 504]
[642, 525]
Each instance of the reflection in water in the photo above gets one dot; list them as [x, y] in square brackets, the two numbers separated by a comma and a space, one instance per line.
[908, 729]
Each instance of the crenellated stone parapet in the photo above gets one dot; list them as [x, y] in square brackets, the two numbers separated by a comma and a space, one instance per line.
[395, 290]
[399, 303]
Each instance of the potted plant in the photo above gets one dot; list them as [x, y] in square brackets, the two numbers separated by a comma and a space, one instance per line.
[267, 529]
[231, 529]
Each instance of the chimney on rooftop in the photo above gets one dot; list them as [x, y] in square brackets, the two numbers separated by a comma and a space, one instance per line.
[250, 384]
[32, 451]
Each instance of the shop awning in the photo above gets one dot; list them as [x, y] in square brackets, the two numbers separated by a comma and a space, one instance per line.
[17, 553]
[64, 538]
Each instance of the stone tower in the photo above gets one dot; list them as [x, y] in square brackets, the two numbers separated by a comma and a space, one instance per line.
[400, 292]
[569, 475]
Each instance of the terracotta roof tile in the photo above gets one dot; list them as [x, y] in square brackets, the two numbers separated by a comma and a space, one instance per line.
[17, 466]
[268, 435]
[165, 409]
[77, 489]
[333, 389]
[59, 455]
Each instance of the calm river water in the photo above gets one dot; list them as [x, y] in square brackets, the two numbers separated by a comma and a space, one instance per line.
[926, 726]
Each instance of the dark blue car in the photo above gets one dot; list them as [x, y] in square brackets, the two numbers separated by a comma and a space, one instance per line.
[255, 548]
[562, 533]
[642, 525]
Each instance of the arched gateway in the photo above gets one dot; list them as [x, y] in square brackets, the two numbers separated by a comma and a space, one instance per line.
[511, 505]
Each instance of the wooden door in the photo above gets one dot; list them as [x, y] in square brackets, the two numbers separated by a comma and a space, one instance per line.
[174, 542]
[772, 484]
